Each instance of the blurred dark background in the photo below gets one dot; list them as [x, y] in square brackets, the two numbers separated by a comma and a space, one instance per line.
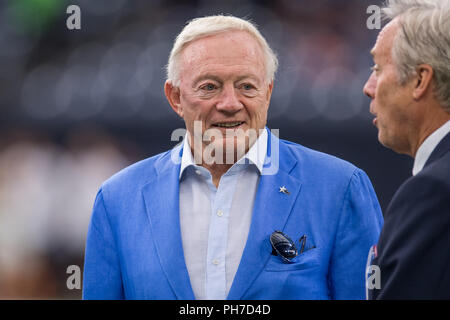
[78, 105]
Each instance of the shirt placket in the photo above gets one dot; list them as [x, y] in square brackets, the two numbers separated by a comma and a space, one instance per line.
[218, 236]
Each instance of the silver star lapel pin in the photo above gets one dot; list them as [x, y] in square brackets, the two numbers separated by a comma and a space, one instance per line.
[284, 190]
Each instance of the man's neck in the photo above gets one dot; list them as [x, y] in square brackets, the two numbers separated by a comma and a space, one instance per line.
[218, 165]
[217, 171]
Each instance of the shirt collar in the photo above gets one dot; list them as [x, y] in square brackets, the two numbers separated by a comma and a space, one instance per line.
[427, 147]
[255, 155]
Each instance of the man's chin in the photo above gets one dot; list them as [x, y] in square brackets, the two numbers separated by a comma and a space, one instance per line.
[382, 139]
[395, 145]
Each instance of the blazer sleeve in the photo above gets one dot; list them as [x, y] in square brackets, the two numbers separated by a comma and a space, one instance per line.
[102, 276]
[413, 250]
[358, 229]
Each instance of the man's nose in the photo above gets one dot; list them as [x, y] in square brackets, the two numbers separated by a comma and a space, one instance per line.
[229, 100]
[369, 87]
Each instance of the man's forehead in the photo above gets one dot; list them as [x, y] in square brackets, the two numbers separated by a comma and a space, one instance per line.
[230, 48]
[235, 40]
[385, 38]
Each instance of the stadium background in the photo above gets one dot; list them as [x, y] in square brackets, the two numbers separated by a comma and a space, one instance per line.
[77, 106]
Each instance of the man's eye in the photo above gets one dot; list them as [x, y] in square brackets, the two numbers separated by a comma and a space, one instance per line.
[208, 87]
[375, 68]
[247, 86]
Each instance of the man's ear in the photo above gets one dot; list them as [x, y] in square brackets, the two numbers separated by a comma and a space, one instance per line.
[269, 91]
[423, 81]
[173, 96]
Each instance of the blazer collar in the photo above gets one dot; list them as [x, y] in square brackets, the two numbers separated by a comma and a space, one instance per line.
[441, 149]
[428, 146]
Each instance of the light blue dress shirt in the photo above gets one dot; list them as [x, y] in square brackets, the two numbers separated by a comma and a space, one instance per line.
[215, 221]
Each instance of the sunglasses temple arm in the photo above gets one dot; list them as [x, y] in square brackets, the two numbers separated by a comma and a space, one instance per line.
[302, 240]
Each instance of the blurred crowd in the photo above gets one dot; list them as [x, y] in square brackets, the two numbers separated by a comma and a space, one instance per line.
[63, 94]
[112, 69]
[46, 195]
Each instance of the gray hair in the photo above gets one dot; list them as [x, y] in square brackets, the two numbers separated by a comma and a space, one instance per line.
[212, 25]
[423, 37]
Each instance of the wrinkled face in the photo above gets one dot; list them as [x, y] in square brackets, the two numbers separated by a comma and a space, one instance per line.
[391, 101]
[223, 85]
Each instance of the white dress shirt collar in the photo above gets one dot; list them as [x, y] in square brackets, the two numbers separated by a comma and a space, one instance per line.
[427, 147]
[256, 154]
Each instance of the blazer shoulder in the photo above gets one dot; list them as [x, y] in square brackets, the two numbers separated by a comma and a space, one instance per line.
[320, 162]
[137, 174]
[435, 174]
[431, 186]
[438, 169]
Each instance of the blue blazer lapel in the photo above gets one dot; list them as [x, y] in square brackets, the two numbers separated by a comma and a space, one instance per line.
[271, 211]
[161, 198]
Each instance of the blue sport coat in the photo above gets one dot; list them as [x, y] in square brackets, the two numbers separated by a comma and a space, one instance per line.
[134, 248]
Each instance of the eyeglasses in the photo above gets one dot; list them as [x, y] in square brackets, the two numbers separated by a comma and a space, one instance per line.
[283, 245]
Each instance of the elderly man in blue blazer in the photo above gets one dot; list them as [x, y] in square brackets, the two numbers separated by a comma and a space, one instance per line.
[205, 220]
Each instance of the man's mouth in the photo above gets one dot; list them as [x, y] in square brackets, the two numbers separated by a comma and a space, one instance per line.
[228, 124]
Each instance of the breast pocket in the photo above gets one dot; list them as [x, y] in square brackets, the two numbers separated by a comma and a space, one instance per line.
[306, 260]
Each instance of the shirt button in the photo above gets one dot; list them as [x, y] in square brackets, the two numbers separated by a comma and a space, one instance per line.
[198, 172]
[215, 262]
[219, 213]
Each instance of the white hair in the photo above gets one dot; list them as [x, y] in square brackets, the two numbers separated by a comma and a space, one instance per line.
[423, 38]
[212, 25]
